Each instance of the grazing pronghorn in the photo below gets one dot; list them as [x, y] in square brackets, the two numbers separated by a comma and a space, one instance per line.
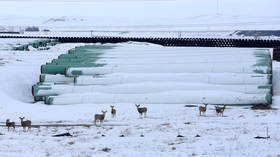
[220, 110]
[202, 109]
[99, 117]
[24, 124]
[141, 110]
[10, 124]
[113, 111]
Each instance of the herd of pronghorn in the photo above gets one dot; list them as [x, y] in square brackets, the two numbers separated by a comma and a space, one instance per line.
[100, 117]
[24, 123]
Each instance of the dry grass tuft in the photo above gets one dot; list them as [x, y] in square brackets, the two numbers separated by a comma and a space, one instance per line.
[106, 149]
[71, 143]
[262, 107]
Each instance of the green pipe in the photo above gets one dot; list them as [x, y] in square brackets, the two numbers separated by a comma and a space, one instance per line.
[268, 71]
[49, 100]
[84, 52]
[39, 98]
[36, 88]
[34, 44]
[42, 78]
[263, 62]
[268, 98]
[54, 40]
[89, 55]
[60, 69]
[265, 87]
[100, 47]
[74, 64]
[52, 43]
[75, 60]
[53, 69]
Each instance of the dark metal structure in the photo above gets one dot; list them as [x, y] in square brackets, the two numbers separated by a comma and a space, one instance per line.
[276, 54]
[186, 42]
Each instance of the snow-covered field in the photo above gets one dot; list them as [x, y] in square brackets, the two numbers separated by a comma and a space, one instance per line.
[230, 135]
[141, 15]
[156, 135]
[138, 18]
[8, 44]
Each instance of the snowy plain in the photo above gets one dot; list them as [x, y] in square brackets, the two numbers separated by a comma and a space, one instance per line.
[229, 135]
[196, 18]
[142, 15]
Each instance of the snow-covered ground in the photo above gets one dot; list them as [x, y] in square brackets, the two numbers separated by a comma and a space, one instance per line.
[176, 15]
[8, 44]
[138, 18]
[230, 135]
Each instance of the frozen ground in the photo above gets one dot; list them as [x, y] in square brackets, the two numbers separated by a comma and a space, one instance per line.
[167, 15]
[8, 44]
[136, 18]
[230, 135]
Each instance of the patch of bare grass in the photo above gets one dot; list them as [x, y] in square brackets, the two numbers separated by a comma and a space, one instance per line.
[262, 107]
[106, 149]
[71, 143]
